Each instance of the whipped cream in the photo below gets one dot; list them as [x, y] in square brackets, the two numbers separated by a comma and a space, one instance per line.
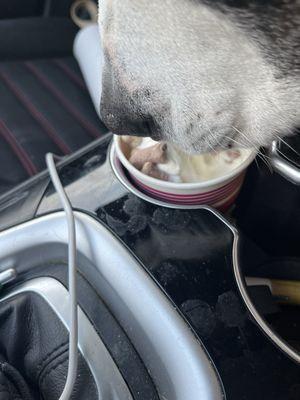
[186, 168]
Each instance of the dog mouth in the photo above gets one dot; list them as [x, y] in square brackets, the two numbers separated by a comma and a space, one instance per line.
[212, 143]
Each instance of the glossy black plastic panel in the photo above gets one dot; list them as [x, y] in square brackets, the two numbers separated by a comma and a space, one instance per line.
[189, 254]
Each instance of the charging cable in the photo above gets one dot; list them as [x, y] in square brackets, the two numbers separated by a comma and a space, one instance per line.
[73, 331]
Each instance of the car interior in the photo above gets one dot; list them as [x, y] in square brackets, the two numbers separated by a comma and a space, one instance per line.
[174, 303]
[42, 90]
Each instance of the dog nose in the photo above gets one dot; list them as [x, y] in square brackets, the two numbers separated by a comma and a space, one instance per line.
[121, 121]
[125, 117]
[125, 111]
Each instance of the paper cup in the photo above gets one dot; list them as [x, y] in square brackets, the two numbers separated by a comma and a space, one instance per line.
[219, 192]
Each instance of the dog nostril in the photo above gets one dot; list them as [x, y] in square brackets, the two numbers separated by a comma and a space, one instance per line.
[151, 129]
[148, 127]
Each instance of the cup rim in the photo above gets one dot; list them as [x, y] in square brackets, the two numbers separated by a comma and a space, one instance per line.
[183, 185]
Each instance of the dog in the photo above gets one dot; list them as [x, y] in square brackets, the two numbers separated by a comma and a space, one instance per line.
[203, 74]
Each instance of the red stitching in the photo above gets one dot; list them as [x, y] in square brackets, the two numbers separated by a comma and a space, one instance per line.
[64, 101]
[17, 149]
[39, 117]
[71, 74]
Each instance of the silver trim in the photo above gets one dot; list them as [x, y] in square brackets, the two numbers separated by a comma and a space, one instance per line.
[178, 364]
[110, 383]
[97, 188]
[276, 339]
[7, 275]
[282, 166]
[7, 196]
[240, 280]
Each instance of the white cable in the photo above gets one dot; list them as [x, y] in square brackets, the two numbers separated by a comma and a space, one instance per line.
[73, 332]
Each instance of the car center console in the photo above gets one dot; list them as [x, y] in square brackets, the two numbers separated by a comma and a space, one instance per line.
[170, 281]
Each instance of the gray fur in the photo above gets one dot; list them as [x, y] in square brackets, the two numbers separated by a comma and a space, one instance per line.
[202, 74]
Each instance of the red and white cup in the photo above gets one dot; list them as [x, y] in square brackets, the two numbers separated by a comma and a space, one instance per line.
[219, 192]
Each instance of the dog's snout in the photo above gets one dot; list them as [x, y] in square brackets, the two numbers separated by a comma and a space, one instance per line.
[121, 122]
[127, 114]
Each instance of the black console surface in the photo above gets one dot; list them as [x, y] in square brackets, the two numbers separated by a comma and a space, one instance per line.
[189, 254]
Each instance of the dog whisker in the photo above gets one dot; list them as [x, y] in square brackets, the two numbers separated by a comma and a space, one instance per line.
[262, 156]
[210, 144]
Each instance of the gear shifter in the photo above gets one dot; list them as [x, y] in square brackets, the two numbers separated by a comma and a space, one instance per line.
[34, 353]
[29, 365]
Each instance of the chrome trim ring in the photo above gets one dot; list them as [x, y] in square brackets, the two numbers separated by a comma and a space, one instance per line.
[282, 166]
[241, 283]
[119, 172]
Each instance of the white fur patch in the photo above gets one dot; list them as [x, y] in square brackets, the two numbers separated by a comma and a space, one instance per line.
[209, 81]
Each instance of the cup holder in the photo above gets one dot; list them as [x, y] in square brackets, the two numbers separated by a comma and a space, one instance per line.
[126, 181]
[131, 185]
